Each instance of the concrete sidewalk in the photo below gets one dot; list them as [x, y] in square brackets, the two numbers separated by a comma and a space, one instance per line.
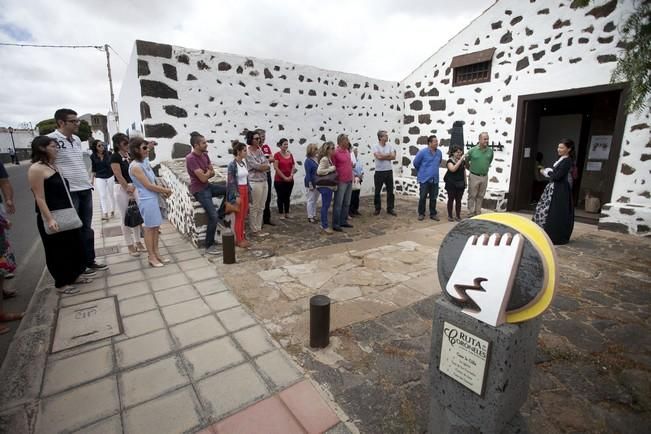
[191, 357]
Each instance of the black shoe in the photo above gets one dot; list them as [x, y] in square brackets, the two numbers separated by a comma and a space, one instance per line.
[89, 272]
[346, 225]
[337, 229]
[376, 212]
[421, 218]
[98, 267]
[434, 217]
[392, 212]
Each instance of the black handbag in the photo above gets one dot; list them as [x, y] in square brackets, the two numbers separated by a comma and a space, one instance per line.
[329, 180]
[132, 217]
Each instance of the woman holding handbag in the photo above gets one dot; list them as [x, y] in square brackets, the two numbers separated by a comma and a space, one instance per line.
[144, 179]
[64, 251]
[125, 192]
[237, 192]
[326, 182]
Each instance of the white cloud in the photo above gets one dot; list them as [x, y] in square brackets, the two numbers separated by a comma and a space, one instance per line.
[384, 39]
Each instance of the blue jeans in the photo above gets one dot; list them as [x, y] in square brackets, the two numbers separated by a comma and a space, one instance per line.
[342, 204]
[430, 189]
[205, 199]
[326, 197]
[83, 203]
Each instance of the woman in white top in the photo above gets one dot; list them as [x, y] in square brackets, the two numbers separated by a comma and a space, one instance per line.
[237, 191]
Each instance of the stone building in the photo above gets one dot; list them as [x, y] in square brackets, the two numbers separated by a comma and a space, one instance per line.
[528, 73]
[98, 126]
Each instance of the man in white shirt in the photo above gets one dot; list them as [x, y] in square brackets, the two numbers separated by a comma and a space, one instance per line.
[70, 163]
[384, 154]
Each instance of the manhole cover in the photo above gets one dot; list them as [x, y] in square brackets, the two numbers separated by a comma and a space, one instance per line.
[111, 231]
[103, 251]
[86, 322]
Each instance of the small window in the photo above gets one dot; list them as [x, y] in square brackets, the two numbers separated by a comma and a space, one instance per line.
[469, 74]
[472, 68]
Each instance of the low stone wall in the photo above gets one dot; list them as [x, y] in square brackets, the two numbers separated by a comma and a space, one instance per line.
[494, 199]
[184, 212]
[626, 218]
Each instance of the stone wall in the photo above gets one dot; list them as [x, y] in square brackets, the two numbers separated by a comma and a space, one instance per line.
[184, 212]
[222, 95]
[541, 46]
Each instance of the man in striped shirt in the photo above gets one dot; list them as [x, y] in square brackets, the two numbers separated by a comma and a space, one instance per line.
[70, 163]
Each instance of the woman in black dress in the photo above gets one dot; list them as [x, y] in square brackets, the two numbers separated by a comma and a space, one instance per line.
[555, 210]
[64, 254]
[455, 181]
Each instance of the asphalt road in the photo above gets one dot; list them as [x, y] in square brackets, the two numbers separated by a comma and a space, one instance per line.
[26, 243]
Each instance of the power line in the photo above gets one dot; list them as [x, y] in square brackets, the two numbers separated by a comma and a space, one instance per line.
[117, 54]
[99, 47]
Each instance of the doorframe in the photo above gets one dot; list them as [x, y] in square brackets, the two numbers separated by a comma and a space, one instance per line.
[618, 131]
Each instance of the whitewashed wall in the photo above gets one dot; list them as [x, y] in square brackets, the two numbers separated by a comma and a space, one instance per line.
[221, 95]
[541, 46]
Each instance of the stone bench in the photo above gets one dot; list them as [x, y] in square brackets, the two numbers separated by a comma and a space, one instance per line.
[185, 213]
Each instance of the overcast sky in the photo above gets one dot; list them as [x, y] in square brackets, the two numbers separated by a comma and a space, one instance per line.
[385, 39]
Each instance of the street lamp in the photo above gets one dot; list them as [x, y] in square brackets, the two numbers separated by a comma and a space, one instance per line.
[13, 144]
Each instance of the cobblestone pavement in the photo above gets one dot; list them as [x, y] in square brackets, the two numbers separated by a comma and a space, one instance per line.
[593, 367]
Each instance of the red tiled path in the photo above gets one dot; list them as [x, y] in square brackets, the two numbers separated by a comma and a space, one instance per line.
[296, 410]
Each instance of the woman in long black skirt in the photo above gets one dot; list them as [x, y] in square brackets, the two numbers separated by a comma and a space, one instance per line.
[64, 254]
[555, 210]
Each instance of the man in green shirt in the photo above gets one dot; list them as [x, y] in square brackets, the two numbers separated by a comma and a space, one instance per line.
[479, 159]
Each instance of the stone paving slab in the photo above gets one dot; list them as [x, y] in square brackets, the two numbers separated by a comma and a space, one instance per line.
[190, 354]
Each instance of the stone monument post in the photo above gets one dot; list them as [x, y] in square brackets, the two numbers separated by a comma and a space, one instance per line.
[499, 274]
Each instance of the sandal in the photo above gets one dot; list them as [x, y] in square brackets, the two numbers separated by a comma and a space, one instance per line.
[67, 290]
[8, 316]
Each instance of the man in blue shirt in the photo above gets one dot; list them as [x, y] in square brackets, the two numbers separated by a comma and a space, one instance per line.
[427, 163]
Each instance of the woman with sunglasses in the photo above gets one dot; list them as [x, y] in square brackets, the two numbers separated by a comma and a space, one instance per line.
[144, 179]
[102, 177]
[258, 166]
[125, 191]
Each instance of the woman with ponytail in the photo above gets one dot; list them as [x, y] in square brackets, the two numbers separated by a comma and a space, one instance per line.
[237, 192]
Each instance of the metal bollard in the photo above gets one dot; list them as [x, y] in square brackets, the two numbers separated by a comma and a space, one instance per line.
[319, 321]
[228, 247]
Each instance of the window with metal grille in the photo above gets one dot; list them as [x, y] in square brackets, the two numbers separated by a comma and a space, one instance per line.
[469, 74]
[472, 68]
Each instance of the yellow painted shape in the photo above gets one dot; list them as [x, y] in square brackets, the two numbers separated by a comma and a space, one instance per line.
[545, 247]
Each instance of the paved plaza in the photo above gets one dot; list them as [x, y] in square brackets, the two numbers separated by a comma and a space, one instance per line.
[224, 348]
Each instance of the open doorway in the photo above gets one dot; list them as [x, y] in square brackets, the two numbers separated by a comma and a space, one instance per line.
[594, 119]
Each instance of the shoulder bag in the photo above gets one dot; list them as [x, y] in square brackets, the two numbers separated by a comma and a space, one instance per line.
[329, 180]
[67, 218]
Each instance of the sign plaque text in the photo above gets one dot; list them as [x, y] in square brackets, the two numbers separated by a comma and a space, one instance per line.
[464, 357]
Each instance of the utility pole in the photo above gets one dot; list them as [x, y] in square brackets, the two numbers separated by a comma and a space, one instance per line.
[108, 66]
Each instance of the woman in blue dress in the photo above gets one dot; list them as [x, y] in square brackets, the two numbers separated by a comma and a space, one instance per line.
[144, 180]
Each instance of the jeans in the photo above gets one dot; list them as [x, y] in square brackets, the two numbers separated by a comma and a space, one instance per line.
[312, 199]
[83, 203]
[342, 204]
[326, 197]
[205, 199]
[430, 189]
[383, 177]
